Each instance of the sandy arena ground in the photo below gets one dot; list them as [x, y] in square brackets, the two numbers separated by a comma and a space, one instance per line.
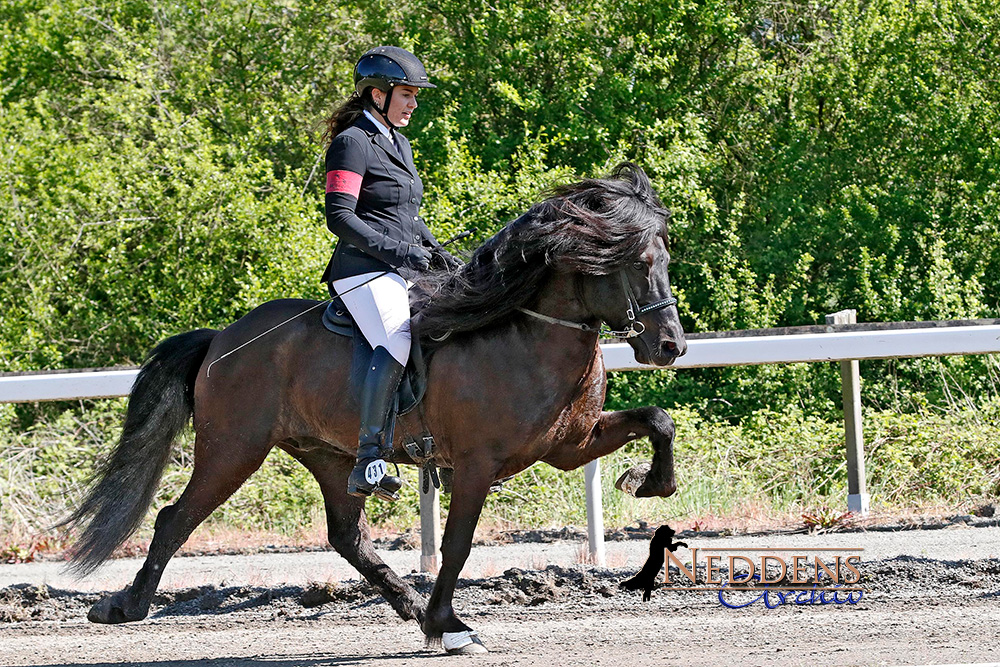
[932, 597]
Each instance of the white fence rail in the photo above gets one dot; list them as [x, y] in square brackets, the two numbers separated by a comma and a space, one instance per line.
[836, 345]
[702, 353]
[66, 386]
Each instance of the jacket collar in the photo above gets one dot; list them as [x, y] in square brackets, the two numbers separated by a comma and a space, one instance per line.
[384, 144]
[374, 121]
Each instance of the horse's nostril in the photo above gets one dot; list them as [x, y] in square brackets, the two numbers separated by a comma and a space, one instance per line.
[668, 347]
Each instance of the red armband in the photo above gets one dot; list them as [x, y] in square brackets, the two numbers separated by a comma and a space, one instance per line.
[344, 181]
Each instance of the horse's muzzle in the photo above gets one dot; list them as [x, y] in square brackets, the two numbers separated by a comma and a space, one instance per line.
[667, 351]
[674, 349]
[663, 353]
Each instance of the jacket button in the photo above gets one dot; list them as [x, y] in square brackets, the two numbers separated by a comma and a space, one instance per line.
[416, 237]
[413, 200]
[411, 181]
[416, 217]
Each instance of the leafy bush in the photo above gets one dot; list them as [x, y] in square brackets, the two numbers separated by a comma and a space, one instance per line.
[160, 162]
[161, 170]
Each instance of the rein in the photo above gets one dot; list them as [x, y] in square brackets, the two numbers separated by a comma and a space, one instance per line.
[555, 320]
[632, 312]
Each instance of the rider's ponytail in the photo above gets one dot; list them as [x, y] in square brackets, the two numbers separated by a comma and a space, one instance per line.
[343, 117]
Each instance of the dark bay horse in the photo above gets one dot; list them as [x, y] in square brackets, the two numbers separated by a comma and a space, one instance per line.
[516, 377]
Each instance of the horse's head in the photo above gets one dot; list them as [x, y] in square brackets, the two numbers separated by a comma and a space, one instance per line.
[637, 303]
[605, 237]
[616, 231]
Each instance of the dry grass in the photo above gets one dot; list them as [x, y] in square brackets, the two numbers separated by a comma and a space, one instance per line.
[538, 562]
[489, 569]
[220, 537]
[583, 555]
[759, 517]
[750, 517]
[615, 558]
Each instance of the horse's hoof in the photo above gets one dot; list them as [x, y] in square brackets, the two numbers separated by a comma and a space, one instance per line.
[466, 642]
[633, 479]
[649, 490]
[640, 482]
[107, 610]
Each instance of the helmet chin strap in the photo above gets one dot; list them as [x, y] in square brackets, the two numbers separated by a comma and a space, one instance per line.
[384, 111]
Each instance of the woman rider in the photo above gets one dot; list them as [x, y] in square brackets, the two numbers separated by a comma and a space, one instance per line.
[372, 199]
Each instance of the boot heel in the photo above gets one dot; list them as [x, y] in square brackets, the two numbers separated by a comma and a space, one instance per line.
[357, 492]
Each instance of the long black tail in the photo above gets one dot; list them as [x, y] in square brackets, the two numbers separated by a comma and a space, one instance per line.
[159, 407]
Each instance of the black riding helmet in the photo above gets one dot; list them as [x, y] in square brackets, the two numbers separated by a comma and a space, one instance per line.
[385, 67]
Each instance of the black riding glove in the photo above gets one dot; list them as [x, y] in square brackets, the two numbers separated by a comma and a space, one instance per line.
[446, 260]
[418, 257]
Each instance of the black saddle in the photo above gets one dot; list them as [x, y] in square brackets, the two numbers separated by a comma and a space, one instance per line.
[412, 387]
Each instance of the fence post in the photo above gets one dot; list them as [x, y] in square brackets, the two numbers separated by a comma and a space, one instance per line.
[430, 527]
[595, 511]
[850, 382]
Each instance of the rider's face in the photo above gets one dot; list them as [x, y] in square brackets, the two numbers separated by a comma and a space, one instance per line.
[404, 101]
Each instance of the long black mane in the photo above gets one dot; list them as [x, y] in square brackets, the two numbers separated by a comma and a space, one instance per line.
[593, 227]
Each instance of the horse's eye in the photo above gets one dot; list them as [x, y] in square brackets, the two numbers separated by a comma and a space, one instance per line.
[639, 266]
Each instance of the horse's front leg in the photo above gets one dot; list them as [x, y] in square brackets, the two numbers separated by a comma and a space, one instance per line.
[613, 430]
[471, 485]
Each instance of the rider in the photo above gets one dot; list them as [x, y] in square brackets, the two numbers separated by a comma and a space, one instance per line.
[373, 197]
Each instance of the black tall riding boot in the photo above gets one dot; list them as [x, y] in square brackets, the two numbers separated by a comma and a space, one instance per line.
[369, 475]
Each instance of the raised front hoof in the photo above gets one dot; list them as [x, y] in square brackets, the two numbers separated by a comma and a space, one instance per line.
[639, 483]
[114, 609]
[466, 642]
[655, 489]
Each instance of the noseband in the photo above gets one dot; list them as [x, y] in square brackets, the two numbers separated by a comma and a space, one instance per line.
[632, 312]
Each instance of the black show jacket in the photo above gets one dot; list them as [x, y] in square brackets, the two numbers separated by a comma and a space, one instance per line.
[373, 198]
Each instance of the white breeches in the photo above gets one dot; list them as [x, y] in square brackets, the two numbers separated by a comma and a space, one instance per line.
[381, 309]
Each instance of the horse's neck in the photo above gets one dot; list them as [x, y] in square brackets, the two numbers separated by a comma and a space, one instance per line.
[559, 298]
[561, 349]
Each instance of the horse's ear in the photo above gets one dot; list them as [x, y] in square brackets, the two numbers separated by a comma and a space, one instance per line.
[639, 180]
[629, 171]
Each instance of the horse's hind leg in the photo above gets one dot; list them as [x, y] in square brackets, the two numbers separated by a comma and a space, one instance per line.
[613, 430]
[348, 528]
[220, 469]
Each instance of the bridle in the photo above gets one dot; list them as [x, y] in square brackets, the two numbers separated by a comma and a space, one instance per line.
[632, 312]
